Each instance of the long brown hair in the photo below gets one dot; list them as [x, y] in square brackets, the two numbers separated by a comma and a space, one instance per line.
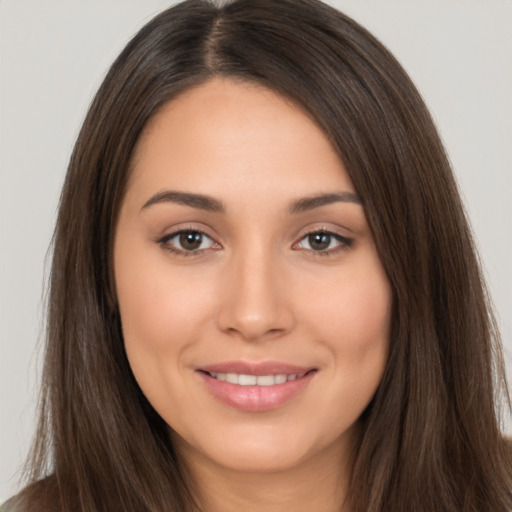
[430, 439]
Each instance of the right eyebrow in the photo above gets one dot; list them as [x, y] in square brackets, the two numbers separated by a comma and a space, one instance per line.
[309, 203]
[200, 201]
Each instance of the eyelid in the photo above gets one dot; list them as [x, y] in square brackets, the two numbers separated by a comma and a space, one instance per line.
[345, 242]
[164, 240]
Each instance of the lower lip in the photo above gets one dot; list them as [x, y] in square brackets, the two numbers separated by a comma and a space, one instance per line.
[255, 398]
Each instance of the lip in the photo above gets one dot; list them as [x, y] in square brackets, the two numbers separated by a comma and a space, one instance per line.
[256, 368]
[255, 398]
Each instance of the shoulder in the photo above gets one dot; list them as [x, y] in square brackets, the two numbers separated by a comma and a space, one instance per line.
[8, 506]
[12, 505]
[38, 496]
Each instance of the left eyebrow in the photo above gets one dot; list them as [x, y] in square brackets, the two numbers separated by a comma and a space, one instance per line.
[309, 203]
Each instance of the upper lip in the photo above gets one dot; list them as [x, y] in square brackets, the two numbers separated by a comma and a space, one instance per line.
[256, 368]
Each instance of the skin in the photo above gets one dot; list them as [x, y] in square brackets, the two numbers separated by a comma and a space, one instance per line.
[257, 289]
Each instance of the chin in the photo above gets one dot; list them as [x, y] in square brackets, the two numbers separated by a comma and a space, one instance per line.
[268, 451]
[258, 460]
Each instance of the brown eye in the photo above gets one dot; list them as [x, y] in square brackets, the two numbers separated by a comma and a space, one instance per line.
[190, 240]
[187, 241]
[323, 242]
[319, 241]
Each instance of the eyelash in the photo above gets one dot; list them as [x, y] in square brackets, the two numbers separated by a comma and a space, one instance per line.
[164, 242]
[344, 243]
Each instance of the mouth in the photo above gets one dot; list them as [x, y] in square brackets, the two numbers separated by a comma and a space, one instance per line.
[256, 387]
[244, 379]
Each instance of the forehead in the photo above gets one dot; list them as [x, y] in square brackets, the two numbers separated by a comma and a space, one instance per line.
[229, 135]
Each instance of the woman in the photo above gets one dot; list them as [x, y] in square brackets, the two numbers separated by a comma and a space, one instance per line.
[264, 292]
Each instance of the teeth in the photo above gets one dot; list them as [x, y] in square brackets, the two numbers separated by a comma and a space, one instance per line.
[253, 380]
[247, 380]
[265, 380]
[280, 379]
[232, 378]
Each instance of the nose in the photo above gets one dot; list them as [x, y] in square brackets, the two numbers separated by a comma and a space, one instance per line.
[255, 303]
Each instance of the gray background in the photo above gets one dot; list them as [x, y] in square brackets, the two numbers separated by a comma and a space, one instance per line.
[53, 55]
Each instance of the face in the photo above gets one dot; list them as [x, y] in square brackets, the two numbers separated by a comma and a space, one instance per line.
[254, 307]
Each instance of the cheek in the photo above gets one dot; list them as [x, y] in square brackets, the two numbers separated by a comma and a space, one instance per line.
[162, 312]
[354, 305]
[359, 343]
[157, 316]
[352, 317]
[159, 303]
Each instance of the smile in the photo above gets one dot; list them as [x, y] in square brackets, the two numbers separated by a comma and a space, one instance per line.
[242, 379]
[255, 387]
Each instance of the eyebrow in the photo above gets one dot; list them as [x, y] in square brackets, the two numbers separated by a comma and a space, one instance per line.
[316, 201]
[199, 201]
[210, 204]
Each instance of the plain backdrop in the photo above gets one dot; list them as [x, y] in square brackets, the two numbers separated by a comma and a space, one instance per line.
[53, 55]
